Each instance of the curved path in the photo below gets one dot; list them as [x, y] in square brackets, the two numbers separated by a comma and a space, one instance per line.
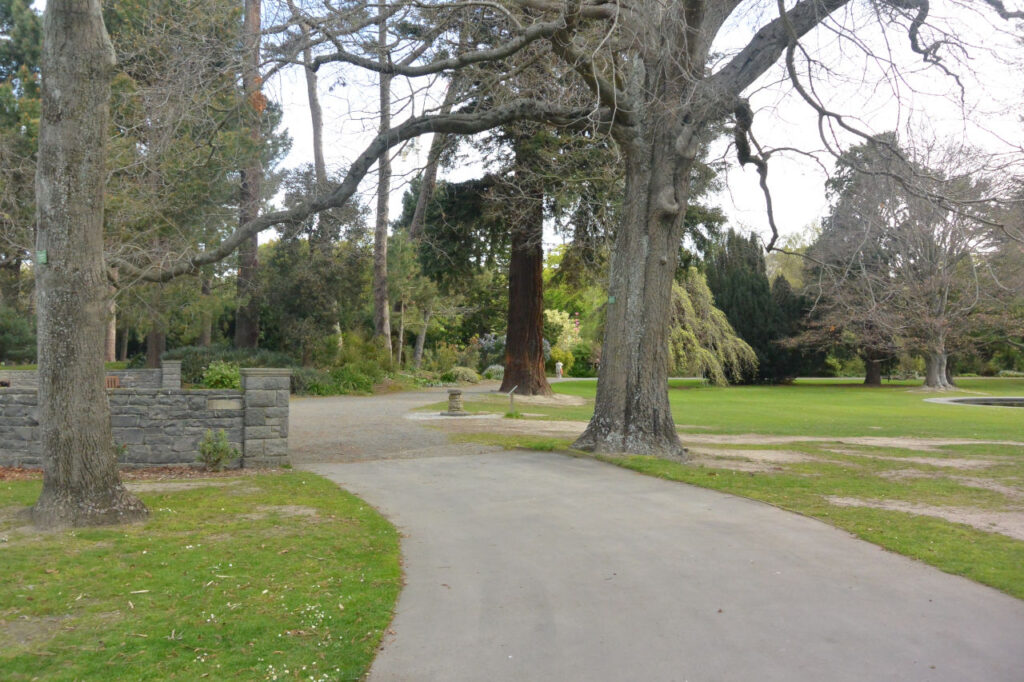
[536, 566]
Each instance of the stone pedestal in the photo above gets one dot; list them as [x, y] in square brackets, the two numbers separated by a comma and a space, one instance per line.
[455, 408]
[265, 435]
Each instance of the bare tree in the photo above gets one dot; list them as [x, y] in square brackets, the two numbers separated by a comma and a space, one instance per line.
[80, 479]
[905, 252]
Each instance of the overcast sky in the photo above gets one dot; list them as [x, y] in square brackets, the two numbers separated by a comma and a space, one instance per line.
[924, 103]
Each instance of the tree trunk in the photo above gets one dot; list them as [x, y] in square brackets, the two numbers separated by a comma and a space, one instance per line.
[949, 374]
[935, 370]
[110, 347]
[156, 344]
[524, 335]
[872, 371]
[247, 317]
[429, 181]
[81, 485]
[206, 318]
[401, 334]
[421, 338]
[381, 310]
[122, 349]
[632, 412]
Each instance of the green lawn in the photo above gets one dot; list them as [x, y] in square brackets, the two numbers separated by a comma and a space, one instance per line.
[929, 501]
[817, 408]
[260, 577]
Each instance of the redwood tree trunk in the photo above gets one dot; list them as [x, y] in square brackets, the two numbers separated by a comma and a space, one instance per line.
[81, 485]
[247, 317]
[524, 335]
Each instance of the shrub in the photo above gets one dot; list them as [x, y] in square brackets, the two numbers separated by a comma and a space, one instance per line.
[17, 336]
[215, 452]
[582, 365]
[492, 350]
[466, 374]
[222, 374]
[495, 372]
[1011, 373]
[565, 357]
[195, 359]
[441, 357]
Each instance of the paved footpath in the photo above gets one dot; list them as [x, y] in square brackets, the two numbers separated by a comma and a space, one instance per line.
[536, 566]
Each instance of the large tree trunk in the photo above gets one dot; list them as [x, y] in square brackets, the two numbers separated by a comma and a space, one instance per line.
[80, 479]
[872, 370]
[524, 335]
[156, 344]
[632, 412]
[381, 310]
[935, 370]
[247, 316]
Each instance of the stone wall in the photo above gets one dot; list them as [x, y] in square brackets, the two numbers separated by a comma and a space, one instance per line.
[159, 426]
[167, 376]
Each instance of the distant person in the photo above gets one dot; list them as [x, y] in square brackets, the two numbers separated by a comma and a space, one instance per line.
[558, 370]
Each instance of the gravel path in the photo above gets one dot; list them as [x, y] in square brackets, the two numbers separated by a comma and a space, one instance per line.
[360, 428]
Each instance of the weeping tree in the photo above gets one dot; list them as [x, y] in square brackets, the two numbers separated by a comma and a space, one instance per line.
[701, 340]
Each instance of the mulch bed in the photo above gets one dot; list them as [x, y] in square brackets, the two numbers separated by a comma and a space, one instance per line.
[143, 473]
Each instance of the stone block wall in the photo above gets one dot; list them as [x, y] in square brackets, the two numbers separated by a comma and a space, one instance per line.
[266, 393]
[167, 376]
[160, 426]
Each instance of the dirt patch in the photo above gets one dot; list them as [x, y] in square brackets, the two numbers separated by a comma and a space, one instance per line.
[1008, 523]
[174, 486]
[982, 483]
[735, 465]
[263, 512]
[944, 462]
[533, 427]
[26, 632]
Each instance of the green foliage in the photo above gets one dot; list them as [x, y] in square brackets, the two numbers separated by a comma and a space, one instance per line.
[701, 340]
[195, 359]
[215, 452]
[584, 360]
[456, 374]
[17, 336]
[222, 374]
[762, 315]
[441, 357]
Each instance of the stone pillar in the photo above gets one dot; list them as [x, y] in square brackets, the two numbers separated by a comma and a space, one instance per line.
[170, 374]
[455, 408]
[265, 434]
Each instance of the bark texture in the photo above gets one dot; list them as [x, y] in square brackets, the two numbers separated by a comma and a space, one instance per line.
[936, 373]
[81, 485]
[524, 335]
[247, 317]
